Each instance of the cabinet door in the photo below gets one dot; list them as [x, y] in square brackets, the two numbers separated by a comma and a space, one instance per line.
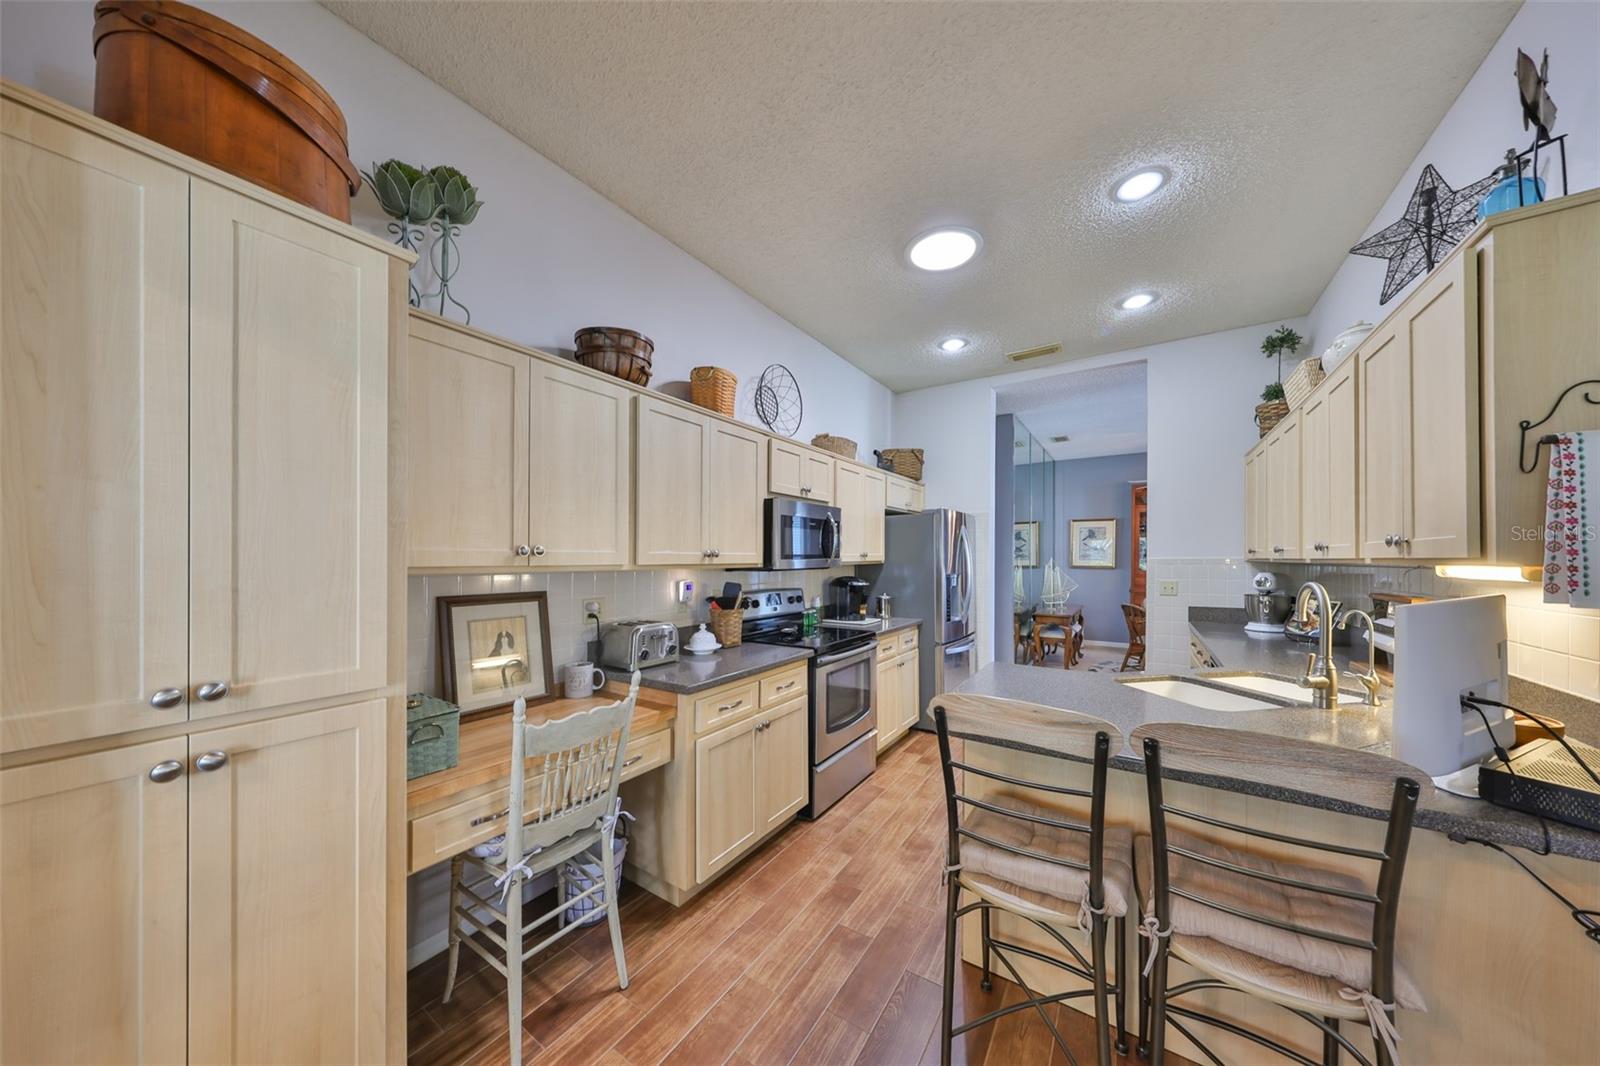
[582, 469]
[467, 462]
[908, 690]
[725, 820]
[1442, 483]
[94, 494]
[286, 889]
[897, 494]
[1314, 470]
[786, 468]
[1383, 374]
[92, 941]
[849, 490]
[782, 747]
[1256, 542]
[873, 484]
[736, 484]
[887, 700]
[1283, 488]
[1339, 450]
[818, 476]
[288, 511]
[669, 471]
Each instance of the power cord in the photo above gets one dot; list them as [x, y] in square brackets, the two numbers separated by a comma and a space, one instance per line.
[1588, 919]
[1540, 721]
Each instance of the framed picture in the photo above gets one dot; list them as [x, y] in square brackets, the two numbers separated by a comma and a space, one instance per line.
[495, 648]
[1025, 544]
[1093, 543]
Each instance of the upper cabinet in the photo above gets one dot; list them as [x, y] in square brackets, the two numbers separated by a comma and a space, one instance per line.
[795, 470]
[700, 481]
[1283, 489]
[1257, 544]
[1328, 467]
[218, 542]
[515, 461]
[902, 494]
[860, 497]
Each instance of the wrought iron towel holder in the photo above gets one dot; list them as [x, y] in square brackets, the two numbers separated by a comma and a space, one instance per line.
[1529, 466]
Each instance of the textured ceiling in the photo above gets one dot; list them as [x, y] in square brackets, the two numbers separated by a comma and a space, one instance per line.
[797, 148]
[1102, 410]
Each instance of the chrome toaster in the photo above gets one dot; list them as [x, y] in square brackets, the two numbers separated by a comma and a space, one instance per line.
[637, 645]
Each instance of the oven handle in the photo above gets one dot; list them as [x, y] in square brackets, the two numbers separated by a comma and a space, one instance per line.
[854, 654]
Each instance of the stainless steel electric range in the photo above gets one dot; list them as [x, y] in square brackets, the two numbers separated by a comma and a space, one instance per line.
[843, 673]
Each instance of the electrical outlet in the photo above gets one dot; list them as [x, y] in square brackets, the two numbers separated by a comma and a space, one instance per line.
[595, 606]
[1169, 588]
[683, 591]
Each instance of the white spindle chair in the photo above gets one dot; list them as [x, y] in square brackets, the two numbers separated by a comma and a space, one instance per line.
[571, 814]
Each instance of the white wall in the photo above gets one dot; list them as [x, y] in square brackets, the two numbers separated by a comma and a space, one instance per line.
[547, 254]
[1471, 140]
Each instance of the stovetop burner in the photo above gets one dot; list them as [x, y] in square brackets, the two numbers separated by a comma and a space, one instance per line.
[775, 616]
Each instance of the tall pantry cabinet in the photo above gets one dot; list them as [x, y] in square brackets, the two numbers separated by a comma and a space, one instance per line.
[198, 610]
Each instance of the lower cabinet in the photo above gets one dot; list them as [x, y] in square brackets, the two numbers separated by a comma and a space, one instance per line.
[216, 897]
[899, 694]
[782, 765]
[749, 778]
[888, 699]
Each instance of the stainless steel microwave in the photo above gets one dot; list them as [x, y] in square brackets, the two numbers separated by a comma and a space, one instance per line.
[800, 535]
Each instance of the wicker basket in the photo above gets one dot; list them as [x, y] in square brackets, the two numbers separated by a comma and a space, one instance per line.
[907, 462]
[616, 351]
[1270, 414]
[727, 627]
[713, 388]
[1306, 377]
[837, 445]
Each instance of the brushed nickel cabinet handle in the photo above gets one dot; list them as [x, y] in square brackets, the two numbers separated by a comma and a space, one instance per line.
[485, 818]
[629, 762]
[786, 686]
[211, 760]
[726, 707]
[169, 770]
[538, 550]
[166, 697]
[212, 691]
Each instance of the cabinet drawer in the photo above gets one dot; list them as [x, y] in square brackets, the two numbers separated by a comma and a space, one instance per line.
[727, 705]
[888, 648]
[905, 640]
[781, 688]
[448, 832]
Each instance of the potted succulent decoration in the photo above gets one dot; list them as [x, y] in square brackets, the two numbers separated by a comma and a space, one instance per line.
[1274, 408]
[440, 198]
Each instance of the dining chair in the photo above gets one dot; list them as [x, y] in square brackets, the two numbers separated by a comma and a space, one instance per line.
[1133, 615]
[567, 809]
[1059, 629]
[1317, 941]
[1018, 852]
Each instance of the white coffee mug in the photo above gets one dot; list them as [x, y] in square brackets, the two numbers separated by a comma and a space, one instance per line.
[581, 679]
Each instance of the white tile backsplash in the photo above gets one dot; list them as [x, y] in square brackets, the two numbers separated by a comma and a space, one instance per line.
[1201, 583]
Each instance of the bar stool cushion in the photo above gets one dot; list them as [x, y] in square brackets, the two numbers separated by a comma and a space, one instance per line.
[1009, 878]
[1286, 903]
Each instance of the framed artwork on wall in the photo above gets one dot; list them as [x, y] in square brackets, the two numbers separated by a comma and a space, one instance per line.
[1093, 543]
[495, 648]
[1025, 544]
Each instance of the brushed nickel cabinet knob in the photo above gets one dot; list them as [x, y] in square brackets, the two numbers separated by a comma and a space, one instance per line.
[524, 550]
[211, 760]
[169, 770]
[212, 691]
[166, 697]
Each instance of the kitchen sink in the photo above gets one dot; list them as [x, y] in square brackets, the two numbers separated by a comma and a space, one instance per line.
[1196, 694]
[1278, 688]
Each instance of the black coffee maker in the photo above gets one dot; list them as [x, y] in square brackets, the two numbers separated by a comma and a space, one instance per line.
[847, 597]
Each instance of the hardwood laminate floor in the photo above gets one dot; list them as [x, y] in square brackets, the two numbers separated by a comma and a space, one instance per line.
[825, 946]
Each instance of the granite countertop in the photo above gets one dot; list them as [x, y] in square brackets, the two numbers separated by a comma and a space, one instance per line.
[692, 673]
[1237, 650]
[893, 624]
[1355, 726]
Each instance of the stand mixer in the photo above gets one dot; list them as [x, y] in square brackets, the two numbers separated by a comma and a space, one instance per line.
[1266, 607]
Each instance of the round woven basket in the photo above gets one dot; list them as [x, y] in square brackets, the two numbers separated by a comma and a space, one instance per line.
[613, 350]
[713, 388]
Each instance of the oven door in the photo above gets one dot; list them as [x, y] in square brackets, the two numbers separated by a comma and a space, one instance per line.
[800, 535]
[844, 700]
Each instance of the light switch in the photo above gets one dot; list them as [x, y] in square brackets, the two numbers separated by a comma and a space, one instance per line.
[1169, 588]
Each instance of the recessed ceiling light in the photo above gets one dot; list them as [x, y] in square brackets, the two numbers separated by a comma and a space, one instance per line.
[953, 344]
[1137, 301]
[943, 249]
[1138, 186]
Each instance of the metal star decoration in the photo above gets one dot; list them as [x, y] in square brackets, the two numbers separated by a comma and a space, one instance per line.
[1434, 222]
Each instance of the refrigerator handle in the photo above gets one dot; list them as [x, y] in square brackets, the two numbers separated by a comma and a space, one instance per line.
[963, 574]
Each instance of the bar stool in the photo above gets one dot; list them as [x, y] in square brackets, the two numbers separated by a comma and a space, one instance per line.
[572, 815]
[1318, 942]
[1039, 863]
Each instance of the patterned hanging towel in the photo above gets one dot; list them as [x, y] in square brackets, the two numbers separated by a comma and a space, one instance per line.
[1572, 521]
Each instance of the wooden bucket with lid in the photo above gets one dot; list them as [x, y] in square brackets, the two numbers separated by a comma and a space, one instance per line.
[208, 89]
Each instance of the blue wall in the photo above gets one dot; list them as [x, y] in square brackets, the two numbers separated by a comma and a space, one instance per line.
[1099, 488]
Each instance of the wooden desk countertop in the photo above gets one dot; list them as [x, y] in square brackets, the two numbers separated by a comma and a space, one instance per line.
[485, 760]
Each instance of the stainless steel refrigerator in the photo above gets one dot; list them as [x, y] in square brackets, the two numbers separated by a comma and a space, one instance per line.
[929, 564]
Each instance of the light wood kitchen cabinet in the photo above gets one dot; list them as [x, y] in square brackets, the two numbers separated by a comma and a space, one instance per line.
[93, 944]
[467, 411]
[783, 783]
[795, 470]
[887, 697]
[859, 495]
[701, 482]
[288, 467]
[1257, 544]
[726, 778]
[1328, 505]
[1418, 413]
[1283, 489]
[899, 683]
[902, 495]
[909, 690]
[94, 276]
[581, 469]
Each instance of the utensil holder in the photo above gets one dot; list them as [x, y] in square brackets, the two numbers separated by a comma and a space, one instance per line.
[727, 627]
